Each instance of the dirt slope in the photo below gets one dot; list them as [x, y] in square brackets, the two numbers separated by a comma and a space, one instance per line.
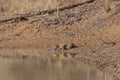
[95, 33]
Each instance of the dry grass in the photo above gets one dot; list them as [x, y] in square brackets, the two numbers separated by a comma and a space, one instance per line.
[26, 6]
[22, 6]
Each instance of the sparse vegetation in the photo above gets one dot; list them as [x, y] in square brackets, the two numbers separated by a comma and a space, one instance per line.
[79, 29]
[22, 6]
[111, 4]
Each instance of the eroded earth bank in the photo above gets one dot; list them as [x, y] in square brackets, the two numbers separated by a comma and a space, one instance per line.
[81, 31]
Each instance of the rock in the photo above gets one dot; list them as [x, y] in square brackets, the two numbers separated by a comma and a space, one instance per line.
[68, 46]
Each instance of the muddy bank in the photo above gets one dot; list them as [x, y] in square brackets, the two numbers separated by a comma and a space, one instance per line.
[95, 34]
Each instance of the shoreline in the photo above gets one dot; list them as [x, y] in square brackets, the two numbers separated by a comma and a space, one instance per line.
[95, 33]
[21, 54]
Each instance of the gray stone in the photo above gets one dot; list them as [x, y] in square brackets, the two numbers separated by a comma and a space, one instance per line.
[69, 46]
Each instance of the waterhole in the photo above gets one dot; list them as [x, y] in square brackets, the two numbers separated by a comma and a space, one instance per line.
[48, 69]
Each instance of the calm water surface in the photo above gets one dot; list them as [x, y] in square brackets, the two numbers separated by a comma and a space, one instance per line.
[48, 69]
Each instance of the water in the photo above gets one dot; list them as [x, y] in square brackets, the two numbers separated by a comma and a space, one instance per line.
[48, 69]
